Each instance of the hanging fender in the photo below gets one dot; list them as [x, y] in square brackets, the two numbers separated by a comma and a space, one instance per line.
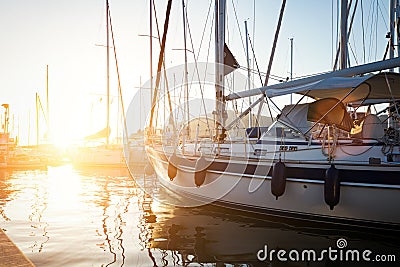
[200, 171]
[172, 169]
[332, 187]
[278, 180]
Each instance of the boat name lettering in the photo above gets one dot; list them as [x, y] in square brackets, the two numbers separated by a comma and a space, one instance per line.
[287, 148]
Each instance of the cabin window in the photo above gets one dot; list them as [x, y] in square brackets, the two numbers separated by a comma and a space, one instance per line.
[280, 130]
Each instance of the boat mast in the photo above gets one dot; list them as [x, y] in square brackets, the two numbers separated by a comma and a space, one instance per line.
[47, 103]
[6, 117]
[392, 12]
[108, 76]
[291, 67]
[186, 91]
[397, 21]
[343, 34]
[248, 69]
[220, 112]
[151, 51]
[271, 58]
[159, 65]
[37, 119]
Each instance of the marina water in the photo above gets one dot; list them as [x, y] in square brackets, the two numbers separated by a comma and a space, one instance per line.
[64, 216]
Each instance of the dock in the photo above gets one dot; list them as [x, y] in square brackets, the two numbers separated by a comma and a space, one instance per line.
[10, 254]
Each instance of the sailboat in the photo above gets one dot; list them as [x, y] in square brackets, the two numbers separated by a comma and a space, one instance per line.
[323, 161]
[13, 156]
[105, 155]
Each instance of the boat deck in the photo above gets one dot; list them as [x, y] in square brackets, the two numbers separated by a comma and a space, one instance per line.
[10, 255]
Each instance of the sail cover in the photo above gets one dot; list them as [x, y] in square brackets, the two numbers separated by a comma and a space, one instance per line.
[381, 87]
[327, 111]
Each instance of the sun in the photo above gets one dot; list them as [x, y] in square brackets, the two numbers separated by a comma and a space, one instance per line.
[62, 138]
[62, 142]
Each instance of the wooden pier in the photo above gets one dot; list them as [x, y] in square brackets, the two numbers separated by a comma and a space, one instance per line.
[10, 255]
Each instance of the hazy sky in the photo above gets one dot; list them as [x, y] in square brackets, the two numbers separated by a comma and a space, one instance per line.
[66, 36]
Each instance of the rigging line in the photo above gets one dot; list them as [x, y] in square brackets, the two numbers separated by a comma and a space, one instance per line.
[363, 29]
[332, 32]
[227, 29]
[169, 97]
[353, 53]
[159, 42]
[204, 29]
[254, 26]
[237, 22]
[164, 70]
[273, 77]
[185, 25]
[197, 72]
[255, 60]
[275, 41]
[387, 48]
[376, 29]
[390, 44]
[160, 61]
[337, 23]
[118, 77]
[108, 74]
[351, 27]
[181, 105]
[209, 45]
[369, 26]
[382, 16]
[349, 31]
[41, 108]
[391, 93]
[259, 73]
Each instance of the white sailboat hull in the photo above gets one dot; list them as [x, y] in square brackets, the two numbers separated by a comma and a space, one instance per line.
[99, 157]
[361, 204]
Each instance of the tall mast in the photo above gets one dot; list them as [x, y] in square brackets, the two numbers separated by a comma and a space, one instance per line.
[47, 103]
[37, 119]
[108, 76]
[220, 113]
[343, 34]
[29, 127]
[392, 11]
[291, 67]
[159, 65]
[397, 21]
[6, 117]
[248, 69]
[186, 92]
[151, 50]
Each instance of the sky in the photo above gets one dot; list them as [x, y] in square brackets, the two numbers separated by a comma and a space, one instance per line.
[69, 37]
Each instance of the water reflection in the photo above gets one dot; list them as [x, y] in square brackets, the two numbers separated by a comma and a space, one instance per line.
[5, 192]
[113, 197]
[38, 207]
[221, 237]
[101, 217]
